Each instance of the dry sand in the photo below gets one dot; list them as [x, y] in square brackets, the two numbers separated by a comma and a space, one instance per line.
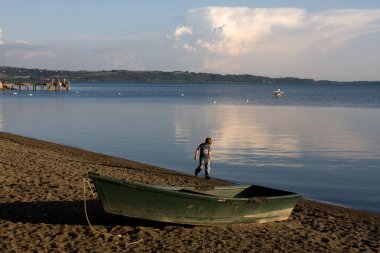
[41, 210]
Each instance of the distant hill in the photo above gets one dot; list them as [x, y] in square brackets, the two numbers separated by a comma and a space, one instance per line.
[13, 74]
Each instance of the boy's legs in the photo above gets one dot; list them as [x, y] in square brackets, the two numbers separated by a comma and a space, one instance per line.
[200, 166]
[207, 169]
[197, 170]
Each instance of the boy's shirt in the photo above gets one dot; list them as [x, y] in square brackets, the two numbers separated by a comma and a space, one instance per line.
[204, 150]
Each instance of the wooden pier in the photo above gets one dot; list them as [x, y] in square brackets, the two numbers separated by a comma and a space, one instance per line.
[53, 85]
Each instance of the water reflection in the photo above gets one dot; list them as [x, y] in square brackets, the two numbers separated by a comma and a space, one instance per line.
[326, 153]
[280, 136]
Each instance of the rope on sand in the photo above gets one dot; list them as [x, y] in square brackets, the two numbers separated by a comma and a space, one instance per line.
[88, 221]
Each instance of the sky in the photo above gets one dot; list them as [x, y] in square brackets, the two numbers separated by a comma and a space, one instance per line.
[323, 40]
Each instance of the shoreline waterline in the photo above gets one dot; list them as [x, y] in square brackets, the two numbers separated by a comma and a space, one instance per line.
[30, 140]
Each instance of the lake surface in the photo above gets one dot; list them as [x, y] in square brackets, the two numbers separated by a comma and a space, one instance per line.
[322, 141]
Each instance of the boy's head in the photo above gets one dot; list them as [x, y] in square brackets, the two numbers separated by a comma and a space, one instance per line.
[208, 140]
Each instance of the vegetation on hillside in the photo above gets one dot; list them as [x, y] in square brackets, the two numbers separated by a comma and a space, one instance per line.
[13, 74]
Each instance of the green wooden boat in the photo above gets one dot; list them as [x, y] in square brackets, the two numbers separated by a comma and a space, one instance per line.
[194, 205]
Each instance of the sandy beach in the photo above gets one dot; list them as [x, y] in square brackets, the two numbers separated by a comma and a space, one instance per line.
[42, 210]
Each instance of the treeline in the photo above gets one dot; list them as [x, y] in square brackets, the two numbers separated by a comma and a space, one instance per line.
[12, 74]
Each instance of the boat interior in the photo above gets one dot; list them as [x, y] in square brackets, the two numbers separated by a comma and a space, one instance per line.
[252, 191]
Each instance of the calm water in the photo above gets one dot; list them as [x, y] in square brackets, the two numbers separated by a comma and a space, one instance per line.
[322, 141]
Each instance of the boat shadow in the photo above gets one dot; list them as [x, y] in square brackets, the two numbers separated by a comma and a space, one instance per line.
[68, 213]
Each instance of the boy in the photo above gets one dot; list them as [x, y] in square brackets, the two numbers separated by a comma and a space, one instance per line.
[204, 157]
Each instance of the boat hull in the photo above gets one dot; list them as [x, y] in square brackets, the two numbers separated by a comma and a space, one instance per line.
[189, 205]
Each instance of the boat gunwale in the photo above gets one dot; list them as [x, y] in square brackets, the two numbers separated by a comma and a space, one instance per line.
[175, 190]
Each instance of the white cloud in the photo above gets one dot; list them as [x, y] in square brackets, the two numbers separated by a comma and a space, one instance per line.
[22, 42]
[24, 51]
[182, 30]
[189, 48]
[242, 40]
[145, 53]
[236, 31]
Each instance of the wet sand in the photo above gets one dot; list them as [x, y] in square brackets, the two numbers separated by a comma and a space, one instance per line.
[42, 210]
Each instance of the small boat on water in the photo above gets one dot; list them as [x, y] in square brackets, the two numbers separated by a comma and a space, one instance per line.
[278, 93]
[194, 205]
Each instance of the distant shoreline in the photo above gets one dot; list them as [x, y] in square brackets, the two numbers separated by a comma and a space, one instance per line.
[14, 74]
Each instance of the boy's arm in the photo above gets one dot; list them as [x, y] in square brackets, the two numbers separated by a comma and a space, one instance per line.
[196, 154]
